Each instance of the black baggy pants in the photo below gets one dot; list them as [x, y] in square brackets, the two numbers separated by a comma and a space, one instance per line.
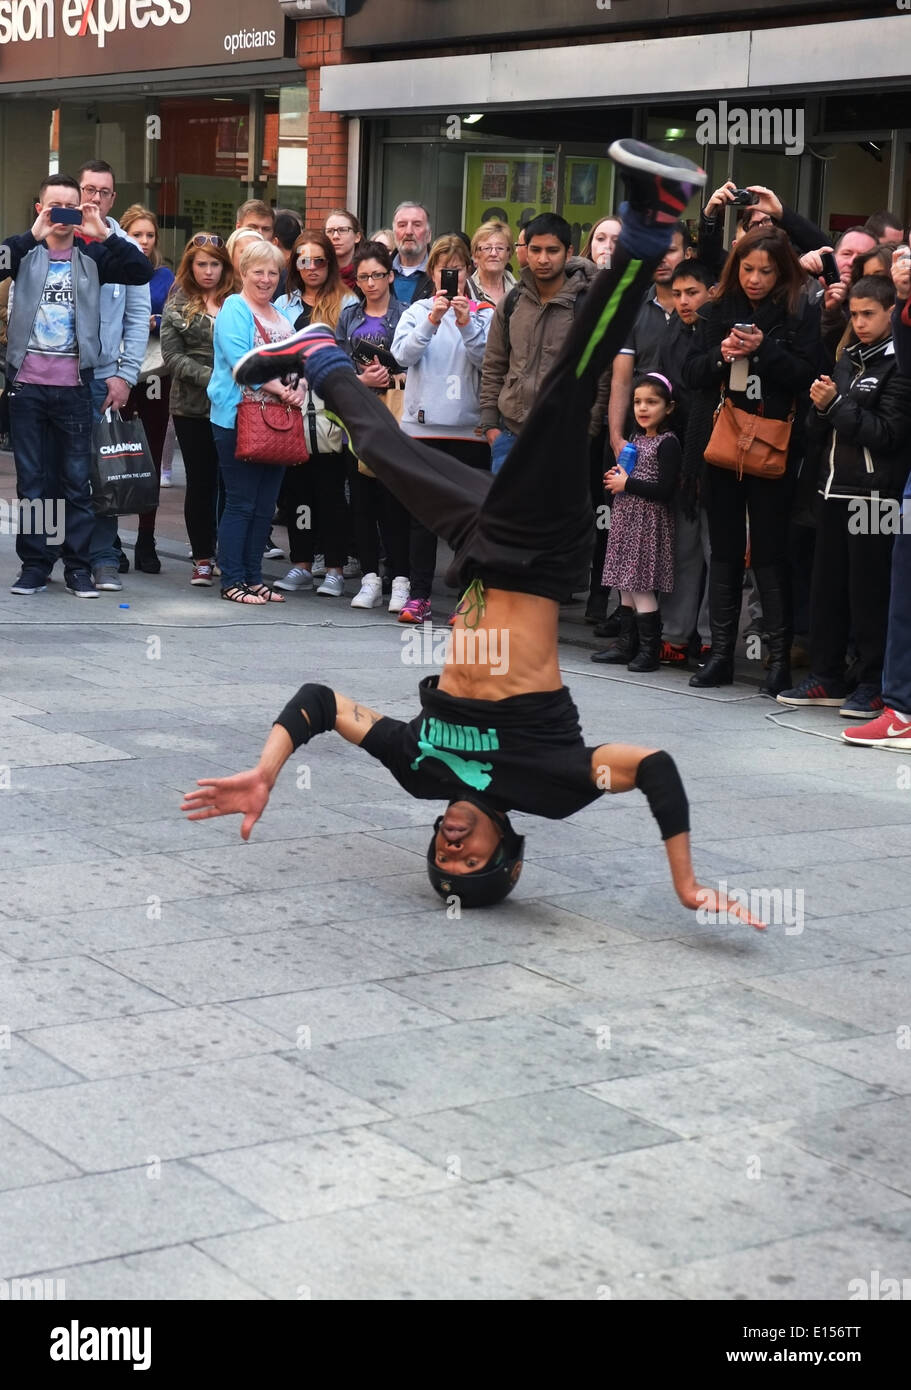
[531, 527]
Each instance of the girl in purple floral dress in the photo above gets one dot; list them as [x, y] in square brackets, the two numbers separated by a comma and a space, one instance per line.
[640, 542]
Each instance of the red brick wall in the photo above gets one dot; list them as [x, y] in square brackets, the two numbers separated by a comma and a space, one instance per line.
[319, 44]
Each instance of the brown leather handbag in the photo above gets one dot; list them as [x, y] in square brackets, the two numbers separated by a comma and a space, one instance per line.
[745, 443]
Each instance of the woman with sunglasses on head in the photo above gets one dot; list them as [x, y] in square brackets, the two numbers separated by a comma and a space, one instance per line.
[316, 294]
[491, 248]
[362, 327]
[346, 234]
[149, 397]
[205, 278]
[247, 319]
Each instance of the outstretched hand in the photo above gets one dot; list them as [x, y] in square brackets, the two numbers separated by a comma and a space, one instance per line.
[246, 794]
[711, 900]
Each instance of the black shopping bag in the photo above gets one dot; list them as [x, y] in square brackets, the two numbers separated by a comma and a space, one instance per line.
[124, 481]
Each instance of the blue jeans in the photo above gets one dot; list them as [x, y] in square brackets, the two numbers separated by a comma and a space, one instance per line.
[251, 492]
[500, 449]
[52, 446]
[104, 552]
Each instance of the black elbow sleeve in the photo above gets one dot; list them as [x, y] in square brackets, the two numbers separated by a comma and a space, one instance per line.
[311, 711]
[657, 777]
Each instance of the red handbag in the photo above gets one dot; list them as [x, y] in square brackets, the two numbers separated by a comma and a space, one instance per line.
[269, 432]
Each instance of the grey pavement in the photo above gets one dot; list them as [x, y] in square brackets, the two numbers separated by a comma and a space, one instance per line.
[281, 1070]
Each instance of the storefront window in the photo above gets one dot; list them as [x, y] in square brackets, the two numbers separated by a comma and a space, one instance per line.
[293, 125]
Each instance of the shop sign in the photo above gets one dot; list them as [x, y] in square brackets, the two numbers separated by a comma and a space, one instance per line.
[75, 38]
[395, 23]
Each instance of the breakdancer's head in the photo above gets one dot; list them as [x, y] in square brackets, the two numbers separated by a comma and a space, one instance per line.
[474, 855]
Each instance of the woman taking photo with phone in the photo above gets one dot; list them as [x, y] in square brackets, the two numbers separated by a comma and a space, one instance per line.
[362, 328]
[441, 342]
[248, 319]
[205, 278]
[757, 342]
[150, 396]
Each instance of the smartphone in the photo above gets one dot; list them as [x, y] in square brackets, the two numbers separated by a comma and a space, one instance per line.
[830, 272]
[71, 216]
[743, 327]
[743, 198]
[449, 282]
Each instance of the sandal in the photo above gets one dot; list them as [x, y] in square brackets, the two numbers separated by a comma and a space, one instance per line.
[265, 593]
[239, 593]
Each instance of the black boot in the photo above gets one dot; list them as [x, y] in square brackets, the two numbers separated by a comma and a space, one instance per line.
[596, 608]
[626, 645]
[774, 585]
[610, 627]
[146, 556]
[649, 628]
[725, 599]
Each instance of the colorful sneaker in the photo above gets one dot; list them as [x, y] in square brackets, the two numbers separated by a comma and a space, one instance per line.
[295, 579]
[333, 586]
[284, 358]
[400, 594]
[659, 185]
[202, 574]
[866, 700]
[815, 691]
[416, 610]
[672, 654]
[889, 730]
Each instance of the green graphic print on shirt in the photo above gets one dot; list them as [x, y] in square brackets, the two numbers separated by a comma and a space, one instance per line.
[438, 739]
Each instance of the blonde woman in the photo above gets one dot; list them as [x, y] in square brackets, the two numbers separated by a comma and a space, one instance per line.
[248, 319]
[238, 242]
[150, 397]
[491, 248]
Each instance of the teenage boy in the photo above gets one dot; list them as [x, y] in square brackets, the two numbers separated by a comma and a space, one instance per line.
[865, 414]
[529, 329]
[681, 611]
[53, 349]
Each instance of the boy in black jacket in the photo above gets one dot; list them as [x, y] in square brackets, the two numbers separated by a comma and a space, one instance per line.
[865, 412]
[892, 728]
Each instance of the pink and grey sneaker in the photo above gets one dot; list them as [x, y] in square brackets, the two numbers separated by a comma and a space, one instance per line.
[285, 358]
[416, 610]
[887, 730]
[659, 185]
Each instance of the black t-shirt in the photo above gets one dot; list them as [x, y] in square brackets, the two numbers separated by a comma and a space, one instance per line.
[524, 753]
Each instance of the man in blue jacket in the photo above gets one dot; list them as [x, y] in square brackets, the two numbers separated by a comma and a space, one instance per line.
[54, 347]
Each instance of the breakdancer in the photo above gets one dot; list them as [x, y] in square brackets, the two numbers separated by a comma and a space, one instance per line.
[489, 740]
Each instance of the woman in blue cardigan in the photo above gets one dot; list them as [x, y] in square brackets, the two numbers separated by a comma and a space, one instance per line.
[247, 320]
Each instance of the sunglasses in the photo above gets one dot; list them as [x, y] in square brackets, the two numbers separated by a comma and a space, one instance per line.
[311, 262]
[206, 239]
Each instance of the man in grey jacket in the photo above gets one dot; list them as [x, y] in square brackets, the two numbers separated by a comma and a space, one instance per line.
[528, 330]
[53, 350]
[125, 312]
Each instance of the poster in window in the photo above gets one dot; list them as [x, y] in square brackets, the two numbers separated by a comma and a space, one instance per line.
[494, 180]
[583, 183]
[525, 174]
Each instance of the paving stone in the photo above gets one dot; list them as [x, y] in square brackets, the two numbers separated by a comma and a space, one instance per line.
[26, 1162]
[485, 991]
[499, 1241]
[873, 1140]
[871, 994]
[24, 1067]
[91, 933]
[179, 1271]
[148, 1042]
[315, 1017]
[300, 1178]
[106, 883]
[70, 989]
[172, 1114]
[108, 1214]
[727, 1095]
[513, 1135]
[881, 1060]
[293, 863]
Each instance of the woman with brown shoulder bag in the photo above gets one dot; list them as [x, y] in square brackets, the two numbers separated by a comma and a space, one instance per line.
[755, 353]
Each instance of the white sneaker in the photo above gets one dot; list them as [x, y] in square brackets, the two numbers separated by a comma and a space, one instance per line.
[333, 585]
[165, 479]
[319, 566]
[371, 593]
[401, 593]
[351, 568]
[295, 579]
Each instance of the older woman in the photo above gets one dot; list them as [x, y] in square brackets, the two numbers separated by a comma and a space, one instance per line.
[247, 320]
[147, 400]
[491, 248]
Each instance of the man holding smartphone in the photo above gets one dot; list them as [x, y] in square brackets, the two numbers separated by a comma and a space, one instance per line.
[53, 349]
